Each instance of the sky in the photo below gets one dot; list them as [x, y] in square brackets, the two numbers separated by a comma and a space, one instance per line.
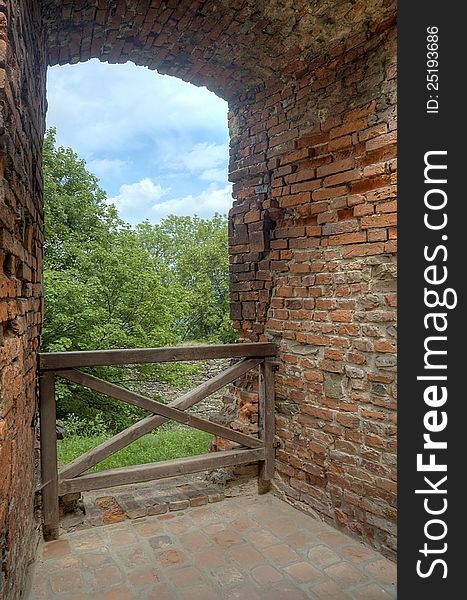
[158, 145]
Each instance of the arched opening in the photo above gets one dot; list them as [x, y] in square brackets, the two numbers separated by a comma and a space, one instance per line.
[136, 254]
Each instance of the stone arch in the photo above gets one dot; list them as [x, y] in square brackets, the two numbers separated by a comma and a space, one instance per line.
[311, 89]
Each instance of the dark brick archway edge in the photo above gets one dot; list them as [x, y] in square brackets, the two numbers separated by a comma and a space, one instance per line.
[311, 91]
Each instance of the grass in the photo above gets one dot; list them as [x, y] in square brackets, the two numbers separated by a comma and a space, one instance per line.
[166, 443]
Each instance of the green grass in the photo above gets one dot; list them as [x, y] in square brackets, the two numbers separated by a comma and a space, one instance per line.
[166, 443]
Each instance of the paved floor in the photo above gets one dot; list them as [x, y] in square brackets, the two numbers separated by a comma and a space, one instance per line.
[245, 548]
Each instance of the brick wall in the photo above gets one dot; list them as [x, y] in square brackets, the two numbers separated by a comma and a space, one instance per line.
[22, 109]
[313, 242]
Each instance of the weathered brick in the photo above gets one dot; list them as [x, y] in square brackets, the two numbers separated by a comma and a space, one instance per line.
[348, 238]
[364, 250]
[385, 220]
[336, 167]
[344, 177]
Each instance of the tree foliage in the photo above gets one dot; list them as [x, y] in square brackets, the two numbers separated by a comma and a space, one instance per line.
[110, 285]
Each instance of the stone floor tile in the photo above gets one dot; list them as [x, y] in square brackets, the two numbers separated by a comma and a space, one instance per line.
[193, 540]
[122, 538]
[243, 524]
[185, 577]
[171, 557]
[345, 574]
[201, 592]
[329, 590]
[357, 553]
[285, 591]
[66, 581]
[148, 528]
[333, 538]
[261, 538]
[283, 527]
[245, 556]
[371, 591]
[265, 574]
[243, 592]
[80, 596]
[179, 526]
[63, 562]
[107, 576]
[94, 560]
[203, 515]
[56, 549]
[214, 528]
[166, 517]
[86, 540]
[208, 559]
[265, 514]
[143, 577]
[39, 588]
[303, 572]
[228, 576]
[133, 556]
[300, 540]
[322, 556]
[158, 592]
[160, 541]
[281, 554]
[227, 538]
[382, 570]
[121, 593]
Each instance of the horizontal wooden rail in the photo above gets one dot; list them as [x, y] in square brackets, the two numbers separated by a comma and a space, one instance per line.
[95, 358]
[159, 470]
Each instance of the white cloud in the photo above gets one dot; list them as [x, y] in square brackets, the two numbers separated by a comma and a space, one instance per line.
[219, 175]
[205, 204]
[107, 167]
[131, 124]
[99, 107]
[205, 156]
[137, 196]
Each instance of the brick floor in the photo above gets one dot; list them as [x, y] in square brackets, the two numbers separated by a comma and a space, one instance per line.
[244, 548]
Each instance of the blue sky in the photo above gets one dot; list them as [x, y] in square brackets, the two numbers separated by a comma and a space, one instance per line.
[158, 145]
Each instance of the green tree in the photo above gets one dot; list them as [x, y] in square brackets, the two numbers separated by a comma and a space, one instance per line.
[108, 285]
[196, 252]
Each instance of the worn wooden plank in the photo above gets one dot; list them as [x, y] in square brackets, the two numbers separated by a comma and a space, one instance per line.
[49, 475]
[266, 424]
[160, 470]
[129, 435]
[93, 358]
[110, 389]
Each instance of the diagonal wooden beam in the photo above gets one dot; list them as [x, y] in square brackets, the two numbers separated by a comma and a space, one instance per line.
[160, 470]
[115, 391]
[131, 434]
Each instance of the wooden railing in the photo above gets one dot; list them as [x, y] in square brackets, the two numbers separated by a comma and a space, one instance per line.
[70, 478]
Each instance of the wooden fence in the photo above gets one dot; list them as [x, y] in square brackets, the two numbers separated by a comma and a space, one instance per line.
[70, 478]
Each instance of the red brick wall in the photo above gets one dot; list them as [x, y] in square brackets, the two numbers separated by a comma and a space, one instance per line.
[313, 242]
[22, 83]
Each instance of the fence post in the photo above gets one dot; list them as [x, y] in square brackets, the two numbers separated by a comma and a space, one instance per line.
[266, 424]
[49, 474]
